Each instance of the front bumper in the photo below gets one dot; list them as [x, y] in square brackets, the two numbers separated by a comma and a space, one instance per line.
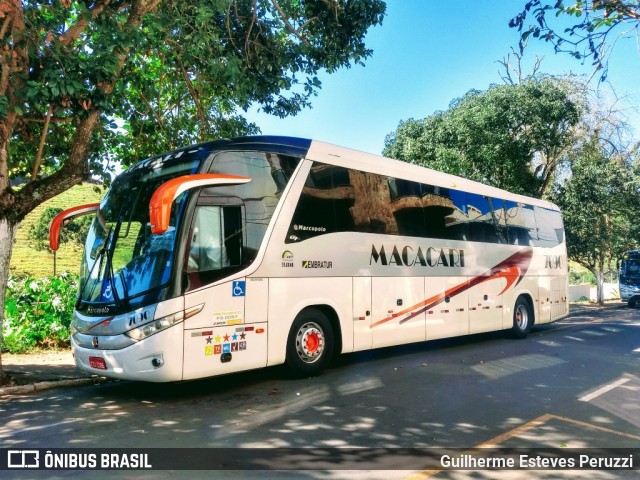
[157, 358]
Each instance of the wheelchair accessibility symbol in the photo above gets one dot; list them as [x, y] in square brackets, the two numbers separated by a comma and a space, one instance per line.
[238, 288]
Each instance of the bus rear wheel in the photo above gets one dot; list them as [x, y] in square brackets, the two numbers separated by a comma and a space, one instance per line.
[522, 318]
[310, 343]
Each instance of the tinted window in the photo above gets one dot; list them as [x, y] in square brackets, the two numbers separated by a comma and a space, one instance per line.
[407, 212]
[521, 223]
[483, 222]
[439, 212]
[421, 210]
[630, 266]
[325, 205]
[269, 175]
[399, 188]
[336, 199]
[550, 228]
[458, 220]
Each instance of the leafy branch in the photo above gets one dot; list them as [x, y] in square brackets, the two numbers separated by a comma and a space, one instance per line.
[596, 21]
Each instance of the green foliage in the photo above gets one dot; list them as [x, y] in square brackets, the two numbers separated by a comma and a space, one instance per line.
[579, 275]
[182, 76]
[600, 201]
[224, 56]
[75, 231]
[510, 136]
[26, 260]
[590, 24]
[38, 313]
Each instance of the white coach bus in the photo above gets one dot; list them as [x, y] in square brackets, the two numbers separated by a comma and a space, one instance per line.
[244, 253]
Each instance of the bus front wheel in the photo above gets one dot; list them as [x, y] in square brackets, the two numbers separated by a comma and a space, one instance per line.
[310, 343]
[522, 318]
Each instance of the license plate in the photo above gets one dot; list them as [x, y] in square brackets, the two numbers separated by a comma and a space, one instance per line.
[97, 362]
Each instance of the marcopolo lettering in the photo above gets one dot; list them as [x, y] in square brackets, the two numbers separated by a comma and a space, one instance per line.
[409, 256]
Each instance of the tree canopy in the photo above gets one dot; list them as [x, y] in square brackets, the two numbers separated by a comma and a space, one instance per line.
[510, 136]
[594, 26]
[600, 200]
[87, 81]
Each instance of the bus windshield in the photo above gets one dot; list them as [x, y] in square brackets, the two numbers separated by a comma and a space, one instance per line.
[122, 258]
[631, 267]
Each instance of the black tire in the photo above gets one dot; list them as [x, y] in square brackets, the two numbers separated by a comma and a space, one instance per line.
[632, 303]
[310, 344]
[522, 318]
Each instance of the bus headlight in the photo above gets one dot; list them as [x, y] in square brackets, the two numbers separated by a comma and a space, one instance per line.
[155, 326]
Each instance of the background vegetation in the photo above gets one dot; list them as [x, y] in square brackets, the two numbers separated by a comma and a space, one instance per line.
[38, 312]
[39, 306]
[27, 260]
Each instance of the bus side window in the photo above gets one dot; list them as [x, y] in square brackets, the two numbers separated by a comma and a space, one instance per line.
[521, 223]
[483, 223]
[327, 204]
[550, 227]
[215, 241]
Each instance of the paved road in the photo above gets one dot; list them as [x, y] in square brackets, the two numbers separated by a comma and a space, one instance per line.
[575, 383]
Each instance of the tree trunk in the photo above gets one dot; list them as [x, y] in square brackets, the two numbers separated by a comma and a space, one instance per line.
[7, 237]
[600, 287]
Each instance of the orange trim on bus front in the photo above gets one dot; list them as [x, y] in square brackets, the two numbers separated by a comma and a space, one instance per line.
[69, 214]
[165, 194]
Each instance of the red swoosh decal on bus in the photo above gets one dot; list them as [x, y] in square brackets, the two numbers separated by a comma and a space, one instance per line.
[512, 269]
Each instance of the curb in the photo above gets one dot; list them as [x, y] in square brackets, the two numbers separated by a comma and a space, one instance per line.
[47, 385]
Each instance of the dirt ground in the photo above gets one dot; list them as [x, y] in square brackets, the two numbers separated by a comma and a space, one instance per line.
[44, 357]
[44, 365]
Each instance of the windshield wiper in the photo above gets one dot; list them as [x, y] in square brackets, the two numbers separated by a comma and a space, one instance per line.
[105, 254]
[98, 262]
[112, 279]
[110, 248]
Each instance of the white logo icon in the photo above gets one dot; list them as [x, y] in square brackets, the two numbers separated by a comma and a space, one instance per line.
[23, 459]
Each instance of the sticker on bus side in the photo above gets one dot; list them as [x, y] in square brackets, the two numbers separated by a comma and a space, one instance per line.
[238, 288]
[227, 318]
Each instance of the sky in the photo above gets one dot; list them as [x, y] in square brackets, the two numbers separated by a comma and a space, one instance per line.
[427, 53]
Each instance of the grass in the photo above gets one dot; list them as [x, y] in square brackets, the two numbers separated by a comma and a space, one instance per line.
[27, 261]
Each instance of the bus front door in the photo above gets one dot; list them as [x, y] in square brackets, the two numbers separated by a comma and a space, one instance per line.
[220, 337]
